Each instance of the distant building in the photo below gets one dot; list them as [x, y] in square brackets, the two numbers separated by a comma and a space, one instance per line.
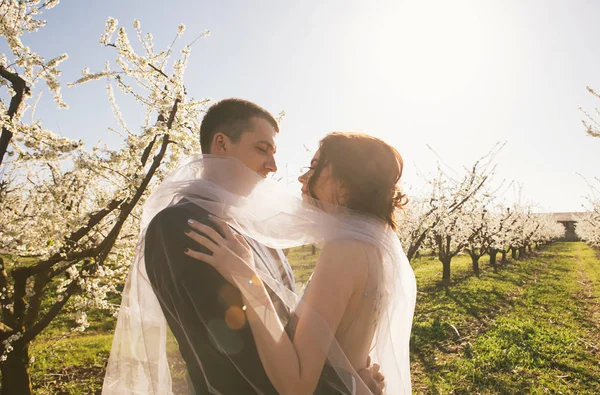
[569, 221]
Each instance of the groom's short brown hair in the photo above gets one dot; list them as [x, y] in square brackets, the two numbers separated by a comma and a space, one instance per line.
[230, 117]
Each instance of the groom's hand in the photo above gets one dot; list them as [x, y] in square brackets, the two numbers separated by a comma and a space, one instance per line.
[372, 377]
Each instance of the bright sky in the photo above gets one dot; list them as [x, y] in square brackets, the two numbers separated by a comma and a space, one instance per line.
[459, 76]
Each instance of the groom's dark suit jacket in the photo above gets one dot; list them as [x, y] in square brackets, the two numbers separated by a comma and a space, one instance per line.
[204, 313]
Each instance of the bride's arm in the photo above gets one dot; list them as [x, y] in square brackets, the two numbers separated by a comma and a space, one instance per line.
[293, 367]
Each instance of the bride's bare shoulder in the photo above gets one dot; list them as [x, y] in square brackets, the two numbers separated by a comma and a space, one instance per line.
[347, 255]
[343, 246]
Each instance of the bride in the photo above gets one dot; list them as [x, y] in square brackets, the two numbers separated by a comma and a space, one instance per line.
[360, 299]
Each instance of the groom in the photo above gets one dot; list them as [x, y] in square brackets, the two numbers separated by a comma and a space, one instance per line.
[203, 310]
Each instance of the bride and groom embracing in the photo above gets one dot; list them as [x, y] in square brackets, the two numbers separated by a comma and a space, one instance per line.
[210, 304]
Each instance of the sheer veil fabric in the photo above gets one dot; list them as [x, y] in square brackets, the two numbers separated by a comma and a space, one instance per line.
[142, 361]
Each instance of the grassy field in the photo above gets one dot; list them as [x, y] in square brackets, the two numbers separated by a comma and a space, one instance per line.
[532, 327]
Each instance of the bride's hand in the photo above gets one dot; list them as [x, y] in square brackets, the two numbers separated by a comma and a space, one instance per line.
[230, 254]
[372, 377]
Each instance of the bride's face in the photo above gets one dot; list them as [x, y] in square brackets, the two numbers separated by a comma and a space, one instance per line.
[324, 188]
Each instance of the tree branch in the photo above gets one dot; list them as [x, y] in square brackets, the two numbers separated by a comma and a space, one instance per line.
[6, 313]
[21, 89]
[20, 291]
[5, 329]
[39, 326]
[35, 301]
[158, 70]
[72, 240]
[414, 247]
[93, 221]
[147, 151]
[455, 206]
[107, 244]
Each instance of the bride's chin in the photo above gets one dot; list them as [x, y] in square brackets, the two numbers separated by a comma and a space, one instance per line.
[308, 199]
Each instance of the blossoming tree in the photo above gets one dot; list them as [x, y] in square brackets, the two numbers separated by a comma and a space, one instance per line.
[437, 219]
[460, 213]
[69, 220]
[444, 198]
[588, 226]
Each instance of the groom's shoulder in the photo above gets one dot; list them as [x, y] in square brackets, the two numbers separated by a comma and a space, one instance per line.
[177, 216]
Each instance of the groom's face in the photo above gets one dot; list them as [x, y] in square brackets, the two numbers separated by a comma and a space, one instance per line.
[256, 147]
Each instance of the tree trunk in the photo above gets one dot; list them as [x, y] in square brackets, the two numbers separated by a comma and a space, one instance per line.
[474, 262]
[529, 248]
[446, 269]
[521, 252]
[513, 253]
[314, 249]
[493, 253]
[15, 371]
[503, 260]
[416, 245]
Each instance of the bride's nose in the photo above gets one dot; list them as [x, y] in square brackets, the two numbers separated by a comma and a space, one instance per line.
[302, 178]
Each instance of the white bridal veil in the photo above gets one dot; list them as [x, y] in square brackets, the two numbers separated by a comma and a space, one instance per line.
[144, 358]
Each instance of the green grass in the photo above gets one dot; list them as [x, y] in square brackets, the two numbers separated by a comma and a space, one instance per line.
[73, 365]
[67, 361]
[70, 362]
[527, 329]
[302, 260]
[532, 327]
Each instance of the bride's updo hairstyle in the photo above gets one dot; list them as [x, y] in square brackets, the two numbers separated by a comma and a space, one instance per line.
[367, 168]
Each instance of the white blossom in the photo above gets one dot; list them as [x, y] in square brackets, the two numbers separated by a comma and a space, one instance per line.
[588, 223]
[54, 185]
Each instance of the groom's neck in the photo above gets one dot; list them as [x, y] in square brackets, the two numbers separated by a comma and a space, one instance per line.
[231, 174]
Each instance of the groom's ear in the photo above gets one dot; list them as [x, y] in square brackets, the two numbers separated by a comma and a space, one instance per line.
[220, 144]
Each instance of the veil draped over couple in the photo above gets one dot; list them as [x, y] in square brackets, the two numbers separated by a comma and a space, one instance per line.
[210, 305]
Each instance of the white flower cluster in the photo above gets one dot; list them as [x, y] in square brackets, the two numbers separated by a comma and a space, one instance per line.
[81, 321]
[7, 345]
[18, 18]
[591, 125]
[588, 224]
[61, 199]
[110, 28]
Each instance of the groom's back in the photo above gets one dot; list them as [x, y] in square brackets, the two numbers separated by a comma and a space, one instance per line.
[202, 309]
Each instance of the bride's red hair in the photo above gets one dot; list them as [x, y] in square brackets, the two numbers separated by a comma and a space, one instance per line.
[369, 170]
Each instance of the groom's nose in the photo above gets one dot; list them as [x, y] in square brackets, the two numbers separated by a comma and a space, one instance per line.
[271, 165]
